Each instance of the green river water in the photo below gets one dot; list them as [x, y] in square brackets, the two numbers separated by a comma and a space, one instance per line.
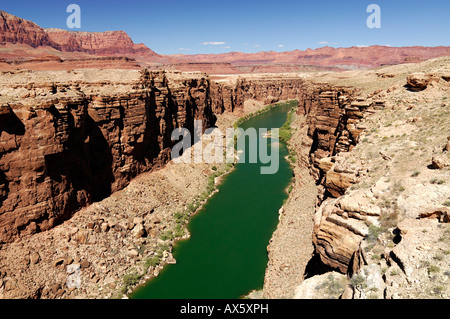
[226, 256]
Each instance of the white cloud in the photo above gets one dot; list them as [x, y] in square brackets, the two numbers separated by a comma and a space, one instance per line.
[323, 42]
[213, 43]
[257, 45]
[226, 47]
[362, 46]
[184, 49]
[281, 45]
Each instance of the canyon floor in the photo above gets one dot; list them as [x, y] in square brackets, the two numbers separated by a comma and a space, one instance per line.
[407, 175]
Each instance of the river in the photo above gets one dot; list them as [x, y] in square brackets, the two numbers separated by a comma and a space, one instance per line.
[226, 255]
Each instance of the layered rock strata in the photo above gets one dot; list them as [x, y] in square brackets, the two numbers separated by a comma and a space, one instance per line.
[333, 116]
[65, 144]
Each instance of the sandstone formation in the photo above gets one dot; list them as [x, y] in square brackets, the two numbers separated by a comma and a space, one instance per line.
[344, 58]
[14, 30]
[99, 43]
[384, 226]
[379, 218]
[333, 117]
[17, 30]
[326, 286]
[439, 162]
[418, 81]
[67, 144]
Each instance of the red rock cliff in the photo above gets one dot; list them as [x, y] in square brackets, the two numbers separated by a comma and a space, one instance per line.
[98, 43]
[17, 30]
[65, 144]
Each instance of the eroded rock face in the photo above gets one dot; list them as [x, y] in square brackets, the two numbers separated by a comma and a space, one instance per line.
[62, 153]
[439, 161]
[339, 227]
[98, 43]
[17, 30]
[65, 144]
[327, 286]
[333, 119]
[418, 81]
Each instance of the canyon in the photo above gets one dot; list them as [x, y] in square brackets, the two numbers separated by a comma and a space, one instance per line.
[86, 177]
[65, 145]
[336, 203]
[80, 142]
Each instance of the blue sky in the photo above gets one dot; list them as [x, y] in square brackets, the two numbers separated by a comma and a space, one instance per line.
[199, 26]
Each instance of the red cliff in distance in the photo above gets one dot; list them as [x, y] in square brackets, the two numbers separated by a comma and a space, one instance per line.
[99, 43]
[89, 46]
[19, 31]
[345, 58]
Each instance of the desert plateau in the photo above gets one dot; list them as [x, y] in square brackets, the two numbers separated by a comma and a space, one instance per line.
[93, 204]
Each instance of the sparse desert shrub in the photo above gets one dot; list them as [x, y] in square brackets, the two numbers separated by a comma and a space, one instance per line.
[374, 233]
[415, 174]
[167, 235]
[358, 281]
[386, 203]
[445, 236]
[332, 287]
[390, 219]
[395, 272]
[181, 217]
[432, 269]
[437, 181]
[130, 280]
[398, 187]
[152, 262]
[179, 231]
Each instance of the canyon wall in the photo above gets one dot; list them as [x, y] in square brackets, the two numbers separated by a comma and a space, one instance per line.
[65, 144]
[17, 30]
[333, 116]
[98, 43]
[341, 221]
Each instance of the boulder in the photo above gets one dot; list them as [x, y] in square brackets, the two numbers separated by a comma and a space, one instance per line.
[418, 81]
[59, 261]
[338, 234]
[85, 264]
[442, 214]
[337, 183]
[327, 286]
[326, 164]
[34, 258]
[139, 231]
[439, 162]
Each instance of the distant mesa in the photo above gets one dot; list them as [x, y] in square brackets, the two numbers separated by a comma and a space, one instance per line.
[23, 43]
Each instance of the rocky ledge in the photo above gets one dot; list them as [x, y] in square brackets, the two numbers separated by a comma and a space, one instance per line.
[381, 218]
